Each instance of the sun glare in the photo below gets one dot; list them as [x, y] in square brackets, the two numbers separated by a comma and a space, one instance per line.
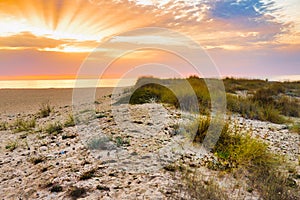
[67, 21]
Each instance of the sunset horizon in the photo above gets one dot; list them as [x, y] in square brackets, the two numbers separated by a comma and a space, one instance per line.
[52, 40]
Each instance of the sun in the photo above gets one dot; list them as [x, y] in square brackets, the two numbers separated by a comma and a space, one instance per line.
[69, 21]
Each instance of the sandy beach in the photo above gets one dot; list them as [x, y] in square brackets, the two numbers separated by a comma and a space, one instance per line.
[14, 101]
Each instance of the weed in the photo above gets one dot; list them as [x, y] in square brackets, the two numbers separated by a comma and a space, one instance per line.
[98, 143]
[237, 150]
[121, 142]
[45, 110]
[295, 127]
[193, 186]
[70, 121]
[54, 128]
[23, 125]
[12, 145]
[3, 126]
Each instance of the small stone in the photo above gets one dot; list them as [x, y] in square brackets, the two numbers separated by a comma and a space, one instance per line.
[43, 148]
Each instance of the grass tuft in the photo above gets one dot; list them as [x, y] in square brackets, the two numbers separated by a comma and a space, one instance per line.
[70, 121]
[12, 145]
[3, 126]
[238, 150]
[23, 125]
[54, 128]
[45, 110]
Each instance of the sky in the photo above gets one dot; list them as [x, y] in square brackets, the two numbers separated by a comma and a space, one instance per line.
[52, 39]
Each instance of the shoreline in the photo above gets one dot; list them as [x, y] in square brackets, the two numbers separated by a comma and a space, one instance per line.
[15, 101]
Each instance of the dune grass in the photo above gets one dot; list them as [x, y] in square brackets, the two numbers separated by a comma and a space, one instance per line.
[69, 121]
[54, 128]
[11, 145]
[22, 124]
[45, 110]
[266, 101]
[237, 150]
[3, 126]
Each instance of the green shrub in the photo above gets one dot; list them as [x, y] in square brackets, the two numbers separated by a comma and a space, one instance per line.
[192, 185]
[23, 125]
[295, 127]
[45, 110]
[12, 145]
[288, 106]
[237, 150]
[269, 113]
[121, 142]
[70, 121]
[54, 128]
[98, 143]
[3, 126]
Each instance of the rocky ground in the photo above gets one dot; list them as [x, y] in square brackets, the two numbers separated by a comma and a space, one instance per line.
[121, 152]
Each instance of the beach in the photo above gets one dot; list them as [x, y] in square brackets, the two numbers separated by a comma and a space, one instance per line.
[14, 101]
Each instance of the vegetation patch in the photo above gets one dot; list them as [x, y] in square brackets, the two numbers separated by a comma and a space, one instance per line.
[54, 128]
[99, 143]
[23, 125]
[238, 150]
[122, 142]
[12, 145]
[70, 121]
[263, 100]
[3, 126]
[45, 110]
[295, 127]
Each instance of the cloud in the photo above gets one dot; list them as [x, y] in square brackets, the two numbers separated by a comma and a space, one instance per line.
[26, 40]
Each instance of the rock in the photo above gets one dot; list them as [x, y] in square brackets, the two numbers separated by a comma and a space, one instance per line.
[43, 148]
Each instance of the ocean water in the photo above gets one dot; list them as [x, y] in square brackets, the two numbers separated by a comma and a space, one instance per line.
[82, 83]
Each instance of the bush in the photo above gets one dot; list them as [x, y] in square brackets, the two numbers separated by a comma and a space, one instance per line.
[12, 145]
[193, 185]
[236, 150]
[121, 142]
[252, 109]
[295, 127]
[23, 125]
[99, 143]
[3, 126]
[70, 121]
[45, 110]
[54, 128]
[288, 106]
